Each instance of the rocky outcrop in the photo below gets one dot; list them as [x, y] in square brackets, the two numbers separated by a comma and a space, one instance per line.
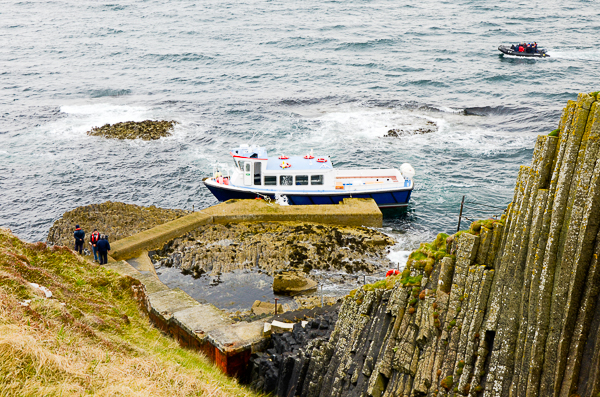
[429, 127]
[292, 283]
[274, 247]
[117, 220]
[147, 130]
[509, 308]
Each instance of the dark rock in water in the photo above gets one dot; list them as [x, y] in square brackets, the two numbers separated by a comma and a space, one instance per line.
[147, 130]
[398, 132]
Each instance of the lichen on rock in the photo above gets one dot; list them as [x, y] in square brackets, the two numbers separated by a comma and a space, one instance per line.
[509, 307]
[147, 130]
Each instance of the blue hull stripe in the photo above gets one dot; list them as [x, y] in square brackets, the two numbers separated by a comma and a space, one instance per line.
[384, 199]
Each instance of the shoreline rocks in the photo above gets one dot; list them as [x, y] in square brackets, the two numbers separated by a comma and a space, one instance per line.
[117, 220]
[146, 130]
[275, 246]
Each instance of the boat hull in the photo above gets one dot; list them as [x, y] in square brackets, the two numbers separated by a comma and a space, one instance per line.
[384, 199]
[540, 54]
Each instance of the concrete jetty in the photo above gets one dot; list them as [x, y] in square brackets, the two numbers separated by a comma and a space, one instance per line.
[202, 326]
[350, 212]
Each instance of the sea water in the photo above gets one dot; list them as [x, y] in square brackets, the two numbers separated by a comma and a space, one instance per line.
[332, 76]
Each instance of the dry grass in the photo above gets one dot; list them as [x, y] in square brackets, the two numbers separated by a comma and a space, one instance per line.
[90, 338]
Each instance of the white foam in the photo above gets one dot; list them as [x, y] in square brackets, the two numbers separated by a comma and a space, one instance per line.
[398, 257]
[576, 55]
[281, 199]
[356, 122]
[81, 118]
[448, 110]
[406, 242]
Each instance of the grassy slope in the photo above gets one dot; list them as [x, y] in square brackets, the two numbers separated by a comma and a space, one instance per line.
[90, 338]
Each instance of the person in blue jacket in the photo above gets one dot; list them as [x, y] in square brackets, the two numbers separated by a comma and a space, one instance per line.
[79, 238]
[103, 247]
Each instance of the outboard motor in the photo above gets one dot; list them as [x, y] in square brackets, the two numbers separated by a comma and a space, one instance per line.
[407, 171]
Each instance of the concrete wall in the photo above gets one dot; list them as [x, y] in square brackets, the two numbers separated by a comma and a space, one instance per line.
[201, 327]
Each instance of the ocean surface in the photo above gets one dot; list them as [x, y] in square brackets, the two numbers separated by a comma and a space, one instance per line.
[333, 76]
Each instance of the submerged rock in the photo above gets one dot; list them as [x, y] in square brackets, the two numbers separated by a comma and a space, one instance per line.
[147, 130]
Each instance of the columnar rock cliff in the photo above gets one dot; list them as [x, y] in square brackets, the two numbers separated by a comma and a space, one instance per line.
[507, 308]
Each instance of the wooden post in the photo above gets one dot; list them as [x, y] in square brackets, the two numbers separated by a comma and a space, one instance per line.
[321, 295]
[462, 203]
[276, 299]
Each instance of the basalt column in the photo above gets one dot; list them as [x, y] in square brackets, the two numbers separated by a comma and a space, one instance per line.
[508, 308]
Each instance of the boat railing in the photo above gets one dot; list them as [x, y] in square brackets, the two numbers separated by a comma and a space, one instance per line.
[221, 170]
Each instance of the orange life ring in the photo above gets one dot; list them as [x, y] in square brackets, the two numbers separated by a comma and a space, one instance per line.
[282, 157]
[321, 160]
[285, 165]
[392, 272]
[309, 156]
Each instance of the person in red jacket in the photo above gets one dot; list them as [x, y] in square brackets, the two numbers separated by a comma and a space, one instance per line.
[93, 241]
[521, 49]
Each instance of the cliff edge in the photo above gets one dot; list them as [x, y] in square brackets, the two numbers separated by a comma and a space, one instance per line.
[507, 308]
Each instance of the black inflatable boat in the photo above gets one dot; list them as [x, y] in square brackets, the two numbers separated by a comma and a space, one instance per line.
[541, 53]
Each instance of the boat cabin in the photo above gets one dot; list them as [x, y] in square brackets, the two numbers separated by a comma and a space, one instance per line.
[253, 167]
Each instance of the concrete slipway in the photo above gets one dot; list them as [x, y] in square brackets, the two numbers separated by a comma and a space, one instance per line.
[203, 327]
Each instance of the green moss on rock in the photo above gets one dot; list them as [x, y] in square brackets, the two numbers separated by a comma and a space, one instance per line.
[447, 382]
[425, 257]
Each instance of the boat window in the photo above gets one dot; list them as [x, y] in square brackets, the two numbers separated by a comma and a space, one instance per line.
[257, 174]
[316, 179]
[286, 180]
[270, 180]
[248, 167]
[241, 166]
[301, 179]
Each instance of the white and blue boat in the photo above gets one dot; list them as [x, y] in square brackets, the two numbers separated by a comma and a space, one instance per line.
[305, 180]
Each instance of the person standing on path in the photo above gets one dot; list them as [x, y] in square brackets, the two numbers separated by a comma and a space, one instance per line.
[103, 247]
[94, 238]
[79, 239]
